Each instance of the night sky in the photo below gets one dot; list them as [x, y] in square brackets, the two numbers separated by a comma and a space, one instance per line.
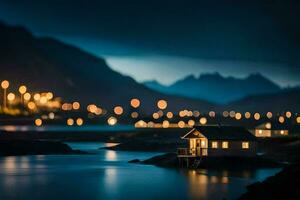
[167, 41]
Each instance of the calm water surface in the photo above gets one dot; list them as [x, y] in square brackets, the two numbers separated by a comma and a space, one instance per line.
[107, 175]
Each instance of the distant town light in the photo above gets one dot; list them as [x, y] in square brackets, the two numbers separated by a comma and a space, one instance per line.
[269, 115]
[5, 84]
[181, 124]
[298, 120]
[112, 121]
[288, 114]
[212, 114]
[43, 100]
[49, 95]
[155, 115]
[238, 116]
[191, 123]
[281, 119]
[268, 125]
[135, 103]
[22, 89]
[225, 114]
[118, 110]
[247, 115]
[27, 96]
[38, 122]
[37, 97]
[165, 124]
[256, 116]
[51, 115]
[196, 113]
[134, 115]
[162, 104]
[11, 96]
[31, 105]
[70, 122]
[232, 114]
[76, 105]
[169, 115]
[79, 121]
[203, 120]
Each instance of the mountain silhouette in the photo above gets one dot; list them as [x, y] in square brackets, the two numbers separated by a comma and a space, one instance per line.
[216, 88]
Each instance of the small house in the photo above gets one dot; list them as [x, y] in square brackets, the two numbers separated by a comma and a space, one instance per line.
[218, 141]
[271, 130]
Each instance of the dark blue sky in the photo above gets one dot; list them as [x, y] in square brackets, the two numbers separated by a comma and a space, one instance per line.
[166, 41]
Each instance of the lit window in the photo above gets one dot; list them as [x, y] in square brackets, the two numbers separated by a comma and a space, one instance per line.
[245, 145]
[282, 132]
[225, 145]
[202, 143]
[214, 145]
[260, 131]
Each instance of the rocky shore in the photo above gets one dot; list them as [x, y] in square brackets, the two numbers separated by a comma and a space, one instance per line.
[34, 147]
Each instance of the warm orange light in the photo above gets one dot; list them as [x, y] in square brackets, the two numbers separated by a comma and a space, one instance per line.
[288, 114]
[212, 114]
[134, 115]
[98, 111]
[76, 105]
[51, 115]
[225, 114]
[238, 116]
[112, 121]
[162, 104]
[43, 100]
[169, 115]
[38, 122]
[11, 96]
[281, 119]
[79, 121]
[268, 125]
[196, 113]
[4, 84]
[37, 97]
[256, 116]
[118, 110]
[191, 123]
[22, 89]
[298, 120]
[232, 114]
[31, 105]
[70, 122]
[155, 115]
[165, 124]
[181, 124]
[135, 103]
[269, 115]
[247, 115]
[203, 120]
[27, 96]
[49, 95]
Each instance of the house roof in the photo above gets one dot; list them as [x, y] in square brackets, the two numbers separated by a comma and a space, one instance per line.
[220, 133]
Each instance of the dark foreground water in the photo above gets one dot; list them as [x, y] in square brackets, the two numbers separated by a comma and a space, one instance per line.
[107, 175]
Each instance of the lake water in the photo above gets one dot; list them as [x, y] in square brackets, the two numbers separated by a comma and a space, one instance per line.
[107, 175]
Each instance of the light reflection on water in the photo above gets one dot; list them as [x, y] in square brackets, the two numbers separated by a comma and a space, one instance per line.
[107, 175]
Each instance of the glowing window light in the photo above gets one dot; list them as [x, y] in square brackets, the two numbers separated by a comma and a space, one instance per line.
[22, 89]
[225, 114]
[256, 116]
[140, 124]
[98, 111]
[214, 145]
[51, 115]
[165, 124]
[189, 113]
[260, 131]
[134, 115]
[49, 95]
[112, 121]
[135, 103]
[31, 105]
[247, 115]
[118, 110]
[27, 96]
[238, 116]
[92, 108]
[281, 119]
[288, 114]
[196, 113]
[182, 114]
[37, 97]
[38, 122]
[5, 84]
[43, 100]
[162, 104]
[282, 132]
[269, 115]
[11, 96]
[191, 122]
[181, 124]
[70, 122]
[225, 145]
[170, 115]
[79, 121]
[150, 124]
[155, 115]
[245, 145]
[232, 114]
[268, 125]
[212, 114]
[76, 105]
[203, 120]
